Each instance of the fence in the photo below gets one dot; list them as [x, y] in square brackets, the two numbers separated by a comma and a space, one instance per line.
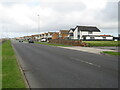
[68, 42]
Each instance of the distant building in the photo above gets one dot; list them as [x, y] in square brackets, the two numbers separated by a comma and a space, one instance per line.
[55, 35]
[50, 35]
[63, 34]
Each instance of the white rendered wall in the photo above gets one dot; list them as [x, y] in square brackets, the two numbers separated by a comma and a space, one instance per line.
[75, 34]
[87, 37]
[98, 37]
[109, 38]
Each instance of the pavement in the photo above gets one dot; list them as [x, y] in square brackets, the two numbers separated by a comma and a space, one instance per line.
[95, 50]
[54, 67]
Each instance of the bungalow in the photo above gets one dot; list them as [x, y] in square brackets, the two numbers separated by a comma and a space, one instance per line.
[97, 37]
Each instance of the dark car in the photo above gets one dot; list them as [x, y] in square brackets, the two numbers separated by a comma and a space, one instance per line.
[30, 41]
[20, 40]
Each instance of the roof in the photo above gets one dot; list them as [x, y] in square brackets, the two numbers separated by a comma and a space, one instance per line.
[55, 33]
[51, 33]
[105, 35]
[46, 33]
[35, 35]
[64, 31]
[88, 28]
[73, 29]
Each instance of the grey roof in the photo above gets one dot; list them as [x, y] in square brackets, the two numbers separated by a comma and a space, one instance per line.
[73, 29]
[88, 28]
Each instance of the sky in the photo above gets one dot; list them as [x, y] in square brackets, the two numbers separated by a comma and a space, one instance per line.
[20, 17]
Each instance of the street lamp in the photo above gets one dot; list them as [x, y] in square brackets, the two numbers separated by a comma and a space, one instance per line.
[38, 24]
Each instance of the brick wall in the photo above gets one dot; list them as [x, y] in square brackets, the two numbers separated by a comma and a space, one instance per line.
[68, 42]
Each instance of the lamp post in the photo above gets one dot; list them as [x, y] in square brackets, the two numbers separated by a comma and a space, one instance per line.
[38, 24]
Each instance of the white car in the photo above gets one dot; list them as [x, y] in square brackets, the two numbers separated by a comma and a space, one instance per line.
[43, 40]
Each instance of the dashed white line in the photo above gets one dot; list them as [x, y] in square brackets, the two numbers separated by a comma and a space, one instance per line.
[86, 62]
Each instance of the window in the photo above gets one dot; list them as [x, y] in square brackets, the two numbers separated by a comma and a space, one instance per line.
[91, 37]
[104, 37]
[90, 32]
[78, 36]
[71, 34]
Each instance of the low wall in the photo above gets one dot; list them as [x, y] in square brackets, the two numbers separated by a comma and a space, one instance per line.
[68, 42]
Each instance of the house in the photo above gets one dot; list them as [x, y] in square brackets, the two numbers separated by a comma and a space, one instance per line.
[63, 34]
[50, 35]
[36, 37]
[45, 36]
[97, 37]
[27, 37]
[70, 33]
[81, 31]
[55, 35]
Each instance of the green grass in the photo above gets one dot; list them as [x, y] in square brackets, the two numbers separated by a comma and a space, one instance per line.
[0, 67]
[102, 43]
[46, 43]
[112, 53]
[11, 74]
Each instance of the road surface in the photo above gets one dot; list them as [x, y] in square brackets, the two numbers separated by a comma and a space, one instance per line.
[53, 67]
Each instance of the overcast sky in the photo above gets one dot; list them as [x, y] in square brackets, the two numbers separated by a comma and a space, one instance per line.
[20, 17]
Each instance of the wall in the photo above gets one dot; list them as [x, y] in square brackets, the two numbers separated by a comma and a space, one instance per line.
[76, 33]
[68, 42]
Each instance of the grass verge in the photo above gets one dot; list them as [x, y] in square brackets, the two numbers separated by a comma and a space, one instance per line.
[112, 53]
[11, 74]
[0, 66]
[102, 43]
[45, 43]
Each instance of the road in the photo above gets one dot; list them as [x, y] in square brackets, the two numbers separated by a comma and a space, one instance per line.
[53, 67]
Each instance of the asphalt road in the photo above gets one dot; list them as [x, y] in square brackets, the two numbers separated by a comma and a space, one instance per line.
[54, 67]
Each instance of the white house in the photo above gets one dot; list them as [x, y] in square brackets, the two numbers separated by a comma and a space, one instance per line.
[87, 33]
[97, 37]
[80, 31]
[71, 31]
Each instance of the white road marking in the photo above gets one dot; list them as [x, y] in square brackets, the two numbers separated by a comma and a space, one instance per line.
[86, 62]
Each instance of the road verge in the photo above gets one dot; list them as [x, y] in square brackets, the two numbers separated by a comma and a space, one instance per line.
[11, 74]
[21, 69]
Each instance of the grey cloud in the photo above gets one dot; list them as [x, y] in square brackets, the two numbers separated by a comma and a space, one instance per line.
[65, 7]
[109, 13]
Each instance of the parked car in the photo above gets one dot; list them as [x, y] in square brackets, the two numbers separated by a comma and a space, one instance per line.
[43, 40]
[30, 41]
[20, 40]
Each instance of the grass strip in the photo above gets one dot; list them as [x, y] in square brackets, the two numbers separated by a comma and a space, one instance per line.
[102, 43]
[112, 53]
[11, 74]
[0, 66]
[46, 43]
